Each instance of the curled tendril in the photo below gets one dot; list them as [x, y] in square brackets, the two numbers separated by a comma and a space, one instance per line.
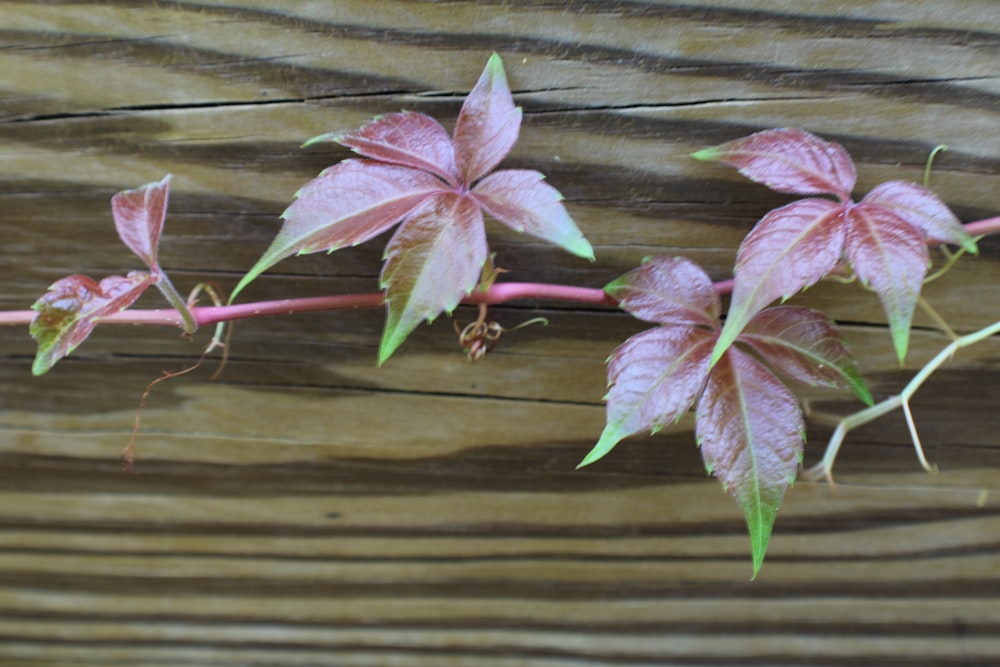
[479, 337]
[219, 341]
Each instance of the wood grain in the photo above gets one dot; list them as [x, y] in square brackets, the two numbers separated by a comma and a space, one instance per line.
[310, 509]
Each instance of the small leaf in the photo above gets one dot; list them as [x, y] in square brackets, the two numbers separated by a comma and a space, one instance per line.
[523, 201]
[432, 262]
[347, 204]
[789, 160]
[921, 208]
[889, 254]
[407, 139]
[751, 433]
[790, 249]
[488, 124]
[806, 346]
[668, 291]
[139, 216]
[655, 377]
[69, 311]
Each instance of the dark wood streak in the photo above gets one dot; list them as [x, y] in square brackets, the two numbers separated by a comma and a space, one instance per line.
[926, 91]
[607, 627]
[832, 524]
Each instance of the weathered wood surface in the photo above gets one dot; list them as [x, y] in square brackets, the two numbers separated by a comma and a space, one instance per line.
[309, 509]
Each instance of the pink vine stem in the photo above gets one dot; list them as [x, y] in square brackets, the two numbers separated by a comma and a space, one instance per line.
[204, 316]
[207, 315]
[497, 294]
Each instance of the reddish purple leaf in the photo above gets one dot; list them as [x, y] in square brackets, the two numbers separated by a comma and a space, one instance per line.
[432, 262]
[751, 434]
[347, 204]
[922, 209]
[655, 377]
[523, 201]
[789, 160]
[883, 237]
[352, 202]
[806, 346]
[407, 139]
[412, 161]
[139, 216]
[69, 311]
[488, 124]
[790, 249]
[668, 290]
[749, 425]
[889, 254]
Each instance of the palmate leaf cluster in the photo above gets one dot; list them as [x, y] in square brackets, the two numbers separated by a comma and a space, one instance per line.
[883, 237]
[748, 424]
[68, 313]
[438, 189]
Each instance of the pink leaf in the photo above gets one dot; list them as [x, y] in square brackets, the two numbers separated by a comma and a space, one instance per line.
[432, 262]
[488, 124]
[655, 377]
[889, 254]
[751, 433]
[524, 202]
[790, 249]
[139, 216]
[806, 346]
[414, 174]
[347, 204]
[789, 160]
[921, 208]
[665, 290]
[407, 139]
[69, 311]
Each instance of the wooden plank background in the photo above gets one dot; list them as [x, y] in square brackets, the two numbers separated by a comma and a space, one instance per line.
[310, 509]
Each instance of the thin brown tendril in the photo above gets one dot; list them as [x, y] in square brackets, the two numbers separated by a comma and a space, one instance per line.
[479, 337]
[128, 454]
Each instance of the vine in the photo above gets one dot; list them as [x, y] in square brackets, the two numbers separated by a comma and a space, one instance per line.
[733, 371]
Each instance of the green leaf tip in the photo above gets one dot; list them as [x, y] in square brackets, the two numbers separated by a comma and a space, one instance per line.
[393, 335]
[706, 154]
[901, 341]
[398, 327]
[495, 65]
[251, 275]
[760, 521]
[614, 285]
[609, 439]
[329, 136]
[48, 353]
[860, 388]
[391, 340]
[581, 248]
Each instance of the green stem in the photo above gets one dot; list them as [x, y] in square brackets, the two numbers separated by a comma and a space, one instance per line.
[930, 161]
[189, 324]
[824, 469]
[932, 313]
[950, 259]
